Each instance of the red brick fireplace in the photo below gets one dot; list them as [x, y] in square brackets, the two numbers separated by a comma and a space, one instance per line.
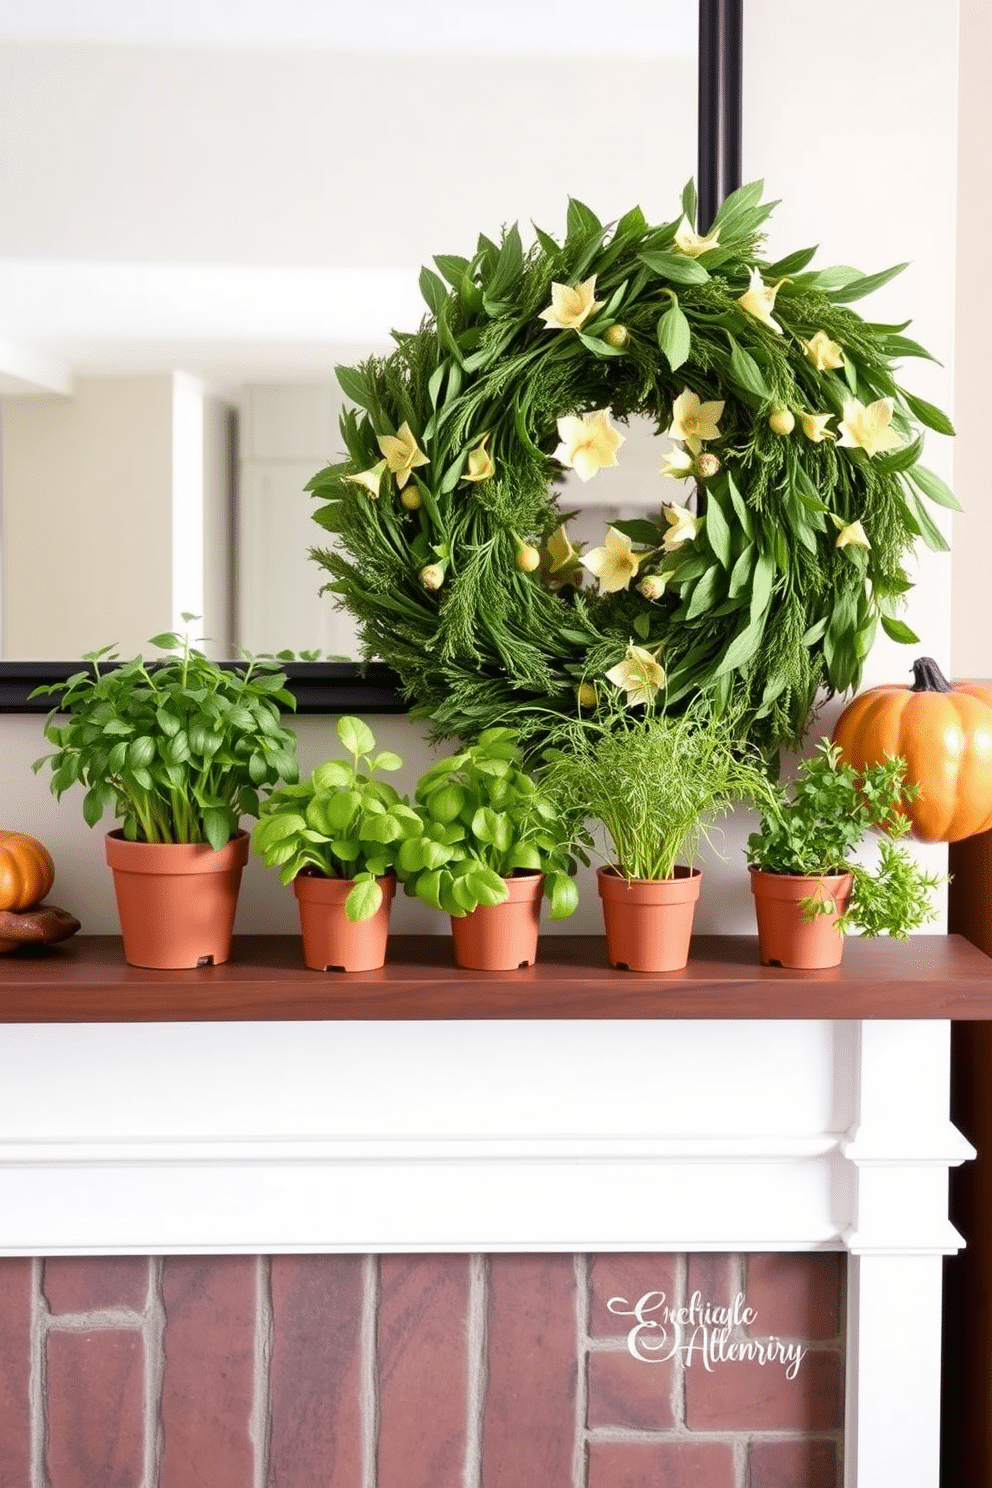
[408, 1371]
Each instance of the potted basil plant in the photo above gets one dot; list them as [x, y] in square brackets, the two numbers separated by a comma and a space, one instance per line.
[336, 838]
[655, 782]
[809, 891]
[492, 845]
[178, 749]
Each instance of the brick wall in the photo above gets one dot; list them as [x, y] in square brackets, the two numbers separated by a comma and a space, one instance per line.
[446, 1371]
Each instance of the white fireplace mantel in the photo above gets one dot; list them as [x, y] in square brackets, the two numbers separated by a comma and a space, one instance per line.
[513, 1134]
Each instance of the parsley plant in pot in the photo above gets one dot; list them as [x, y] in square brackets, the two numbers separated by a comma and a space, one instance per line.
[336, 837]
[808, 890]
[655, 783]
[178, 749]
[492, 845]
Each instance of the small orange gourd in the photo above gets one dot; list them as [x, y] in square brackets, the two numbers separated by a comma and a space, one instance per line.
[26, 871]
[944, 733]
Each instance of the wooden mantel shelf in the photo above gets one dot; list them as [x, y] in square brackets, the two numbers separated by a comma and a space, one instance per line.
[86, 981]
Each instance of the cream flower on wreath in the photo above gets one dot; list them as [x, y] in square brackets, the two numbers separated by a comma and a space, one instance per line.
[677, 464]
[849, 534]
[369, 479]
[614, 564]
[688, 241]
[868, 428]
[693, 421]
[588, 443]
[571, 305]
[682, 527]
[402, 453]
[479, 466]
[561, 551]
[639, 675]
[826, 355]
[759, 301]
[815, 426]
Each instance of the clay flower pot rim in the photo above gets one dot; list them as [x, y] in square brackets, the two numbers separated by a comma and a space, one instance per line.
[117, 835]
[682, 870]
[774, 873]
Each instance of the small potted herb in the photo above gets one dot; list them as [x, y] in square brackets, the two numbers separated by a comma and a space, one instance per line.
[655, 782]
[492, 845]
[178, 749]
[808, 891]
[336, 838]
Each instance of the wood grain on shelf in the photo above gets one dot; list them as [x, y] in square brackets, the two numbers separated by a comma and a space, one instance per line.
[87, 981]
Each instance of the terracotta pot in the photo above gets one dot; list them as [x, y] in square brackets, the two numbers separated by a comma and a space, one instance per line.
[785, 938]
[176, 901]
[501, 937]
[332, 942]
[648, 921]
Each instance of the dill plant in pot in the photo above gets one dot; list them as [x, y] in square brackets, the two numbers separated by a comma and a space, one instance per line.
[178, 749]
[655, 782]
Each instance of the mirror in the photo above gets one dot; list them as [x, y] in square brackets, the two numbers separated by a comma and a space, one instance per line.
[206, 215]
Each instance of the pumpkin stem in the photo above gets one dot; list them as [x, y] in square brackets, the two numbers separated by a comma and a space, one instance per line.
[927, 676]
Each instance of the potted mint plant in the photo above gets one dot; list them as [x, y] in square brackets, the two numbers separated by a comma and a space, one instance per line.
[655, 783]
[178, 749]
[809, 890]
[336, 837]
[492, 845]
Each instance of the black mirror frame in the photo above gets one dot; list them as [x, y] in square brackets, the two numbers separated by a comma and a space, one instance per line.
[356, 687]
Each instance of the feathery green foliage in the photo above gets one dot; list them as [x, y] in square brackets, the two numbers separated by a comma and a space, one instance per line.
[761, 608]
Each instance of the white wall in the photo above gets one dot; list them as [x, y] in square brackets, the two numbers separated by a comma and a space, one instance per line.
[116, 516]
[851, 115]
[971, 650]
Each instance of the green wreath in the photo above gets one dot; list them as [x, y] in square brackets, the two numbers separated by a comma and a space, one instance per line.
[792, 431]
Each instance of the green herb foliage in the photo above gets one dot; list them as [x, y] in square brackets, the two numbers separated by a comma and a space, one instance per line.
[485, 820]
[812, 827]
[178, 748]
[342, 822]
[761, 609]
[654, 781]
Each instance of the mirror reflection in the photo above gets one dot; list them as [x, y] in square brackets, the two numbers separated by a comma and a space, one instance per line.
[205, 217]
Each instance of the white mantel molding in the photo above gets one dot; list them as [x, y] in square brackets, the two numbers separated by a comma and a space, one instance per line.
[485, 1136]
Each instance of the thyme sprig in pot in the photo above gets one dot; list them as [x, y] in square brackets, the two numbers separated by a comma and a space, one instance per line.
[812, 827]
[178, 748]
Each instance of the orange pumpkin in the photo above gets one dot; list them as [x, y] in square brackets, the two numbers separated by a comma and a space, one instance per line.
[26, 871]
[944, 733]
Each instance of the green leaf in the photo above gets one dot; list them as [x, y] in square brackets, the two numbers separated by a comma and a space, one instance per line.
[217, 827]
[581, 220]
[746, 372]
[864, 284]
[897, 630]
[929, 531]
[385, 760]
[355, 735]
[740, 574]
[433, 289]
[338, 810]
[95, 803]
[674, 336]
[167, 641]
[740, 507]
[639, 530]
[704, 593]
[564, 896]
[333, 775]
[140, 752]
[742, 648]
[933, 487]
[354, 385]
[928, 414]
[677, 268]
[761, 586]
[717, 531]
[363, 899]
